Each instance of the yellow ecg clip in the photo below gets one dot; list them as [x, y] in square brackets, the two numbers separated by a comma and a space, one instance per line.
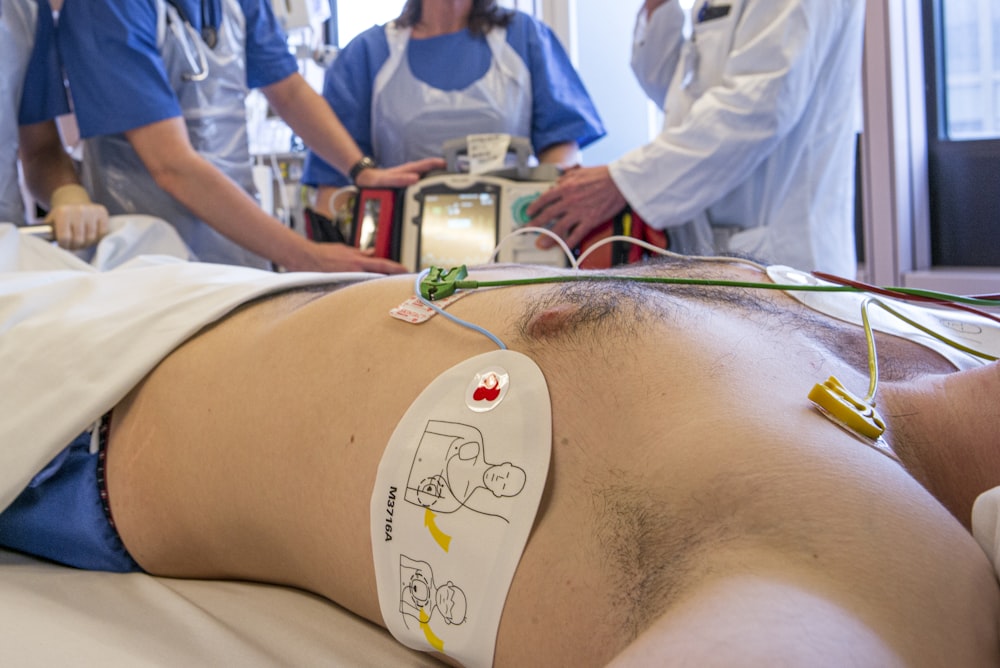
[847, 410]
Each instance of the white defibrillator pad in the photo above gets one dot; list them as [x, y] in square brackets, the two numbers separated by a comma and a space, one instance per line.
[455, 498]
[968, 329]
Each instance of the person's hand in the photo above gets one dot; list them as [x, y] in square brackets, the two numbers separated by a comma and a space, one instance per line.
[76, 221]
[402, 175]
[580, 201]
[342, 257]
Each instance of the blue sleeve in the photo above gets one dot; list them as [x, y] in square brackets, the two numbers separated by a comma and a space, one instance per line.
[268, 58]
[563, 110]
[116, 76]
[347, 87]
[44, 96]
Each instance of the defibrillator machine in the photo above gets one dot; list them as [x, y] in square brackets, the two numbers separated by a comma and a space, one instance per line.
[458, 218]
[455, 218]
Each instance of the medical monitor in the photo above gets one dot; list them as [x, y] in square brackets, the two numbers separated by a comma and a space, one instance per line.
[457, 227]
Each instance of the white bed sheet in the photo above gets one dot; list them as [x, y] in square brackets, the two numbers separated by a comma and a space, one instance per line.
[51, 615]
[56, 616]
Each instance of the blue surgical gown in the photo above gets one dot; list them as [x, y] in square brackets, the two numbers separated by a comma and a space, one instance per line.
[562, 108]
[116, 76]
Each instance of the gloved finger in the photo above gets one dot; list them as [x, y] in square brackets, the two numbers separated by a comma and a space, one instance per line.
[62, 231]
[94, 220]
[85, 230]
[77, 226]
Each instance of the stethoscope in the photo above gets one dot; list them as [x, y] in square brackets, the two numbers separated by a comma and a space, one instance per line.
[192, 43]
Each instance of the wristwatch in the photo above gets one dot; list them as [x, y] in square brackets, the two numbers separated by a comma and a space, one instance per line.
[366, 162]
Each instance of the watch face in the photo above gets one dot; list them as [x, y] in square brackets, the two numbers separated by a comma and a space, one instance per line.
[361, 165]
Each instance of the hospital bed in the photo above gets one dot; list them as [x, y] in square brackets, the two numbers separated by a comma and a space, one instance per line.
[51, 615]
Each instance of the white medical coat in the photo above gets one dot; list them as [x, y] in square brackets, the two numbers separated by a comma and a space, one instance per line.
[762, 109]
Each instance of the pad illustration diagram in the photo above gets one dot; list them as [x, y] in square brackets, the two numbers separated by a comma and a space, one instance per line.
[451, 471]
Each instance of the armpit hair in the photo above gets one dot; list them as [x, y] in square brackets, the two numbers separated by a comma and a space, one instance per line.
[652, 552]
[659, 547]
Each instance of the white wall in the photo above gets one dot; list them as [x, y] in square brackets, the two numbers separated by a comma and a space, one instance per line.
[598, 36]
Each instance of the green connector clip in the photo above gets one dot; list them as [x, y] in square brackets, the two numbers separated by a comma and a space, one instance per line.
[439, 283]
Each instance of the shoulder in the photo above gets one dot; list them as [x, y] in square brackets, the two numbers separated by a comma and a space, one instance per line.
[371, 43]
[526, 27]
[530, 37]
[123, 18]
[363, 55]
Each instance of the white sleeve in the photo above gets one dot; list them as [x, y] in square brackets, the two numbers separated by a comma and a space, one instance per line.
[763, 80]
[656, 47]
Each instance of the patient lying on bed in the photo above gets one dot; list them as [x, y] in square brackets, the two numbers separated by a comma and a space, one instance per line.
[697, 510]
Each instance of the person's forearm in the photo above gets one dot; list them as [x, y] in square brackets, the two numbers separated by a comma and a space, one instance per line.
[44, 161]
[565, 154]
[219, 202]
[309, 115]
[213, 197]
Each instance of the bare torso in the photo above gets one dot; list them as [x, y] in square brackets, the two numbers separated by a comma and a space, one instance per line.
[685, 456]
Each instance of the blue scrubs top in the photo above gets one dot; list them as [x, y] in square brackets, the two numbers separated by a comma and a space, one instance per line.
[43, 96]
[563, 111]
[117, 78]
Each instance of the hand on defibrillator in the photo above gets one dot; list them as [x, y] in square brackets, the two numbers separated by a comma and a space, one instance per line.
[581, 200]
[76, 221]
[336, 257]
[400, 176]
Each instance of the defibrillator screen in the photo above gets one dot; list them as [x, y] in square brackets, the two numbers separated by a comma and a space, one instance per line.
[457, 228]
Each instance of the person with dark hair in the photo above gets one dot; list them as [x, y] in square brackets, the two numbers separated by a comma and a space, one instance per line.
[445, 70]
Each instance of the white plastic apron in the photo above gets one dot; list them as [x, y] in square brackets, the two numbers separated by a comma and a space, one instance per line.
[210, 84]
[411, 120]
[18, 19]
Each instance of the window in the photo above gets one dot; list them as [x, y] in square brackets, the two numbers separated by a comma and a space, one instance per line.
[962, 69]
[970, 61]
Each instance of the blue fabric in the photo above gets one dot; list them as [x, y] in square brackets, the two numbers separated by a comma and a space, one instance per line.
[60, 515]
[200, 13]
[44, 96]
[268, 58]
[563, 110]
[112, 61]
